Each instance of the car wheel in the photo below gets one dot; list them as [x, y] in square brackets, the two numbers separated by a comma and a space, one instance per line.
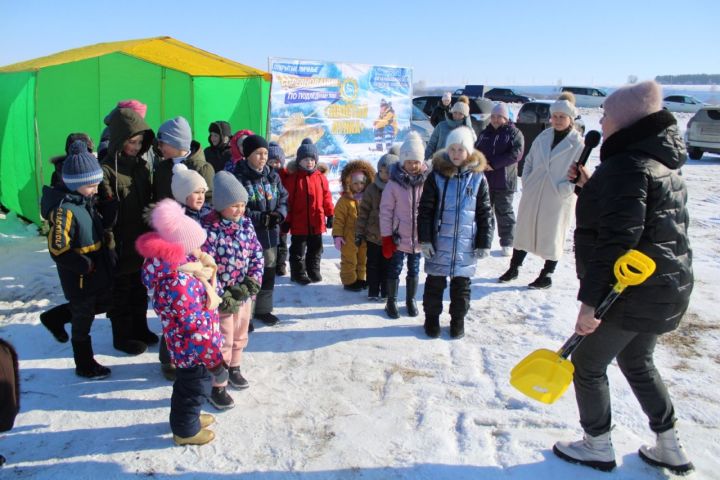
[695, 153]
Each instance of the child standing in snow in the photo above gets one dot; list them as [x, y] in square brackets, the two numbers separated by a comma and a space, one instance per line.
[354, 178]
[398, 222]
[454, 229]
[276, 161]
[182, 279]
[310, 212]
[367, 227]
[76, 244]
[239, 256]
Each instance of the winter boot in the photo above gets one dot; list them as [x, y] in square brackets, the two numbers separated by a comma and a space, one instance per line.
[411, 284]
[518, 256]
[267, 318]
[220, 399]
[281, 269]
[356, 286]
[141, 332]
[206, 420]
[85, 364]
[121, 330]
[391, 305]
[236, 379]
[55, 319]
[457, 327]
[200, 438]
[432, 326]
[596, 452]
[667, 453]
[543, 280]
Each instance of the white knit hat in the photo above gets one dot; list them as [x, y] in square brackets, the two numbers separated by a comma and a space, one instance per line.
[462, 135]
[412, 148]
[185, 181]
[461, 107]
[563, 106]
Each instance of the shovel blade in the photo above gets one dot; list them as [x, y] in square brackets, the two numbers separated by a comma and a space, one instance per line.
[543, 375]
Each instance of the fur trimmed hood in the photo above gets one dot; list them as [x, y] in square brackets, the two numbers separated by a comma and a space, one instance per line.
[152, 245]
[353, 167]
[441, 163]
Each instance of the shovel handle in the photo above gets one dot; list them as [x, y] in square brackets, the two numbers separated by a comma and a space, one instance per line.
[631, 269]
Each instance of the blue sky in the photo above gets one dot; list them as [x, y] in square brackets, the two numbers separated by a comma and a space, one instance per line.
[446, 42]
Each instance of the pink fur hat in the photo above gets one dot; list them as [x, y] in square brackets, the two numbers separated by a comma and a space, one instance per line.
[630, 103]
[169, 220]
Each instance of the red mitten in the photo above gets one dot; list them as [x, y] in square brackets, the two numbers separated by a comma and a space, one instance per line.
[388, 247]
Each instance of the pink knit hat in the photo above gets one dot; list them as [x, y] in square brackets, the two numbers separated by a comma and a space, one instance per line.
[169, 220]
[139, 107]
[630, 103]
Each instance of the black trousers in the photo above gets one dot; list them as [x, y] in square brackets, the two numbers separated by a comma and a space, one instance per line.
[377, 270]
[128, 308]
[459, 296]
[305, 253]
[191, 387]
[82, 314]
[634, 353]
[282, 249]
[264, 299]
[501, 204]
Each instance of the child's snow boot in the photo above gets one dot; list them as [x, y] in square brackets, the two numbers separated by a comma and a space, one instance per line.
[457, 327]
[236, 379]
[55, 319]
[220, 399]
[432, 326]
[411, 284]
[391, 305]
[200, 438]
[596, 452]
[85, 364]
[668, 452]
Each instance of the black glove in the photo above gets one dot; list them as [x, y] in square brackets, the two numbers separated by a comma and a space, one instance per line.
[359, 239]
[285, 228]
[274, 219]
[228, 304]
[220, 373]
[329, 222]
[251, 285]
[265, 219]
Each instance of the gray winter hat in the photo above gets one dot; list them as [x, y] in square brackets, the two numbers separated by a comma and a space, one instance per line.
[390, 158]
[227, 190]
[176, 133]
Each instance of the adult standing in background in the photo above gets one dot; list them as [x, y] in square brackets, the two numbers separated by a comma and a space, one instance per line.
[441, 112]
[548, 197]
[636, 199]
[459, 112]
[502, 144]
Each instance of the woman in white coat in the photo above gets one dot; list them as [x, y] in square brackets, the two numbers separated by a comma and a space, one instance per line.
[548, 197]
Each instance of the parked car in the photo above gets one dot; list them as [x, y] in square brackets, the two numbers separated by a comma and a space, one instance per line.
[533, 118]
[480, 109]
[703, 132]
[587, 96]
[506, 95]
[682, 103]
[420, 123]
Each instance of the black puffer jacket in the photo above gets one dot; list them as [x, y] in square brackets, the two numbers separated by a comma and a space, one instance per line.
[637, 199]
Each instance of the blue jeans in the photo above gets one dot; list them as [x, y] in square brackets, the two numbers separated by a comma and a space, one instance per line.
[396, 264]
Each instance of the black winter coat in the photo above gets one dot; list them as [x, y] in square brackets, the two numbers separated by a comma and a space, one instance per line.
[636, 199]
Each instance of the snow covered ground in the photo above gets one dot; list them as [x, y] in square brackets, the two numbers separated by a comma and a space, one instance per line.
[338, 391]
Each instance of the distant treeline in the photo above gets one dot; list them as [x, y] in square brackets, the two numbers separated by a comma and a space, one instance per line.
[689, 79]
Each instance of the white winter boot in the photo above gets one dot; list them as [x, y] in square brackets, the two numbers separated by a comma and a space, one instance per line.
[596, 452]
[668, 453]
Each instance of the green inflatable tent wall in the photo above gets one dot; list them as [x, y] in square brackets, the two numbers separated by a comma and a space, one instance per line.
[43, 100]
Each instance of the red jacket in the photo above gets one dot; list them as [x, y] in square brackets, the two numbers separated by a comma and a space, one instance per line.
[309, 201]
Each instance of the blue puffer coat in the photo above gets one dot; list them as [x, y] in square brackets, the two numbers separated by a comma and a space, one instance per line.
[454, 215]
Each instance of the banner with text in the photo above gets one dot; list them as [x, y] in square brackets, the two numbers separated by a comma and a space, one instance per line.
[350, 111]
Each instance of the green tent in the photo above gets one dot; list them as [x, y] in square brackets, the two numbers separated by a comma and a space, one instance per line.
[43, 100]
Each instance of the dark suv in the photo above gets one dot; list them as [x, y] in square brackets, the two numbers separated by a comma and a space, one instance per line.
[506, 95]
[480, 109]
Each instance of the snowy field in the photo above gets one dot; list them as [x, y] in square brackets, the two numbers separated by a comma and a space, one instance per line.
[338, 391]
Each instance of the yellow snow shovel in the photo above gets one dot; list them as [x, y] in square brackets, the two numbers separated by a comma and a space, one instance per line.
[545, 375]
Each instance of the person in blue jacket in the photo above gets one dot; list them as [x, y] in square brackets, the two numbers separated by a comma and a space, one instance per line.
[454, 229]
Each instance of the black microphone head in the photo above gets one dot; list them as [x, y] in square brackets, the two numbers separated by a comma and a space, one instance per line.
[592, 138]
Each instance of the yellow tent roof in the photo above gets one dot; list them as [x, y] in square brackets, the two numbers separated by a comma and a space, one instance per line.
[163, 51]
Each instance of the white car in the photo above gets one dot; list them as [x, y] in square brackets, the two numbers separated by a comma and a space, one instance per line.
[587, 96]
[682, 103]
[703, 132]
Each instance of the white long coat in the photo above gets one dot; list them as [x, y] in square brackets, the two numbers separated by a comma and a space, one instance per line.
[548, 197]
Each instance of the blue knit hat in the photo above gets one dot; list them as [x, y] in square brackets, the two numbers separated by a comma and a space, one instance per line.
[227, 190]
[307, 149]
[176, 133]
[275, 152]
[80, 167]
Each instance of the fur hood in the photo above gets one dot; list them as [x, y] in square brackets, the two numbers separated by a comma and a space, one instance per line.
[353, 167]
[441, 163]
[152, 245]
[292, 167]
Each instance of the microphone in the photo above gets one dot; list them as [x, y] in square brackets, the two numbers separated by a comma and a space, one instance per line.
[592, 139]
